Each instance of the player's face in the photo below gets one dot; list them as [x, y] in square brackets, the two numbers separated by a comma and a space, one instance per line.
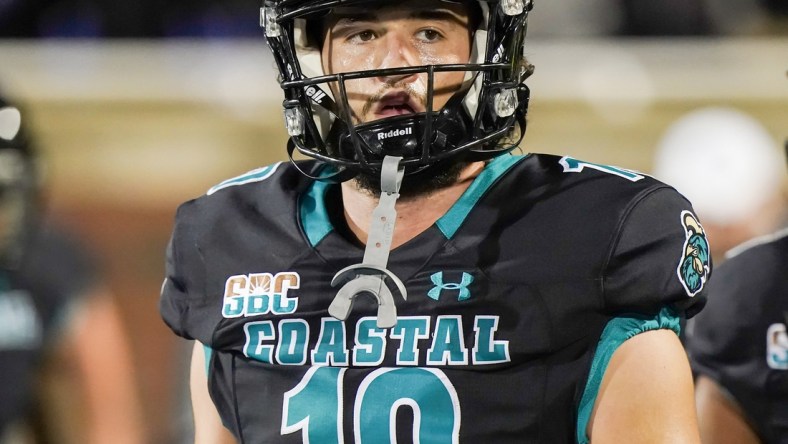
[414, 33]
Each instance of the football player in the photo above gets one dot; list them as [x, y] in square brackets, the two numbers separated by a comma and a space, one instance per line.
[415, 282]
[60, 331]
[739, 346]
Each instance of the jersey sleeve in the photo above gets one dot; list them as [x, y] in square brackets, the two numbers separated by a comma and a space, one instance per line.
[182, 302]
[660, 257]
[657, 269]
[739, 339]
[725, 330]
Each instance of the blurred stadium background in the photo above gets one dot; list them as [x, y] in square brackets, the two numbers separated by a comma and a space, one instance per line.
[136, 110]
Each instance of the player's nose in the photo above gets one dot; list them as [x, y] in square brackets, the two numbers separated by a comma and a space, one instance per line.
[399, 52]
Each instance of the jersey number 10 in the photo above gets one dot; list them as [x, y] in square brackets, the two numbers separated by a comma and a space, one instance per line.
[315, 406]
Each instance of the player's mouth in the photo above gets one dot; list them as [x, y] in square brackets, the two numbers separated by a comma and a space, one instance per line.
[396, 104]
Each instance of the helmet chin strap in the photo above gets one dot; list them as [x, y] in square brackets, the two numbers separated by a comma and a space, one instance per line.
[371, 276]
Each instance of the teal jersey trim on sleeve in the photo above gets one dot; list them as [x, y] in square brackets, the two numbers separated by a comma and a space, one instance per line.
[615, 333]
[208, 353]
[314, 214]
[256, 175]
[450, 222]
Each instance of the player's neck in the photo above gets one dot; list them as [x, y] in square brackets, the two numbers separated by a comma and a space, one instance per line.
[414, 215]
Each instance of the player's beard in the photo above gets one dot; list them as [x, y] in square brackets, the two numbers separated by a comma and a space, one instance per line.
[424, 183]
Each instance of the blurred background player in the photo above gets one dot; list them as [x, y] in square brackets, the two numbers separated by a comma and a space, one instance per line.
[64, 360]
[730, 167]
[739, 346]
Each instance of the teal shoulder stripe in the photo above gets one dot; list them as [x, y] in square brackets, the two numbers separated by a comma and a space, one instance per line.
[451, 221]
[252, 176]
[208, 353]
[615, 333]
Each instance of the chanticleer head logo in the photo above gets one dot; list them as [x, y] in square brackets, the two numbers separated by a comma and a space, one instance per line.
[695, 265]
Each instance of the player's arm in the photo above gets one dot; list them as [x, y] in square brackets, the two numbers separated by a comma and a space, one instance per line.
[721, 419]
[104, 360]
[208, 428]
[93, 361]
[646, 395]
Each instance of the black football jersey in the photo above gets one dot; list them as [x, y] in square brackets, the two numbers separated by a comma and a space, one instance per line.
[740, 340]
[35, 298]
[516, 299]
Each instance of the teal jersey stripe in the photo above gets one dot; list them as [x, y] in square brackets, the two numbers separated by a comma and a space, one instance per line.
[256, 175]
[615, 333]
[451, 221]
[314, 214]
[208, 353]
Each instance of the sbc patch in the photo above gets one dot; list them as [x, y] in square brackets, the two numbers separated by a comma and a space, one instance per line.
[695, 264]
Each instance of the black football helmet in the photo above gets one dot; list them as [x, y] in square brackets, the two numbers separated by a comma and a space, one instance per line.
[18, 186]
[483, 119]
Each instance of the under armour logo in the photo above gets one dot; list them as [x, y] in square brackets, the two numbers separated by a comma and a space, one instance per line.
[462, 287]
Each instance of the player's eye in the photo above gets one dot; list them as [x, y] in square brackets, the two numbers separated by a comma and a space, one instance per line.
[363, 36]
[429, 35]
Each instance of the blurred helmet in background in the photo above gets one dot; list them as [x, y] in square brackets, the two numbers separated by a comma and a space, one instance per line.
[18, 185]
[731, 169]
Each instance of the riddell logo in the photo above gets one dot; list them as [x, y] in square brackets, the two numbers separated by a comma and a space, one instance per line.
[395, 133]
[315, 94]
